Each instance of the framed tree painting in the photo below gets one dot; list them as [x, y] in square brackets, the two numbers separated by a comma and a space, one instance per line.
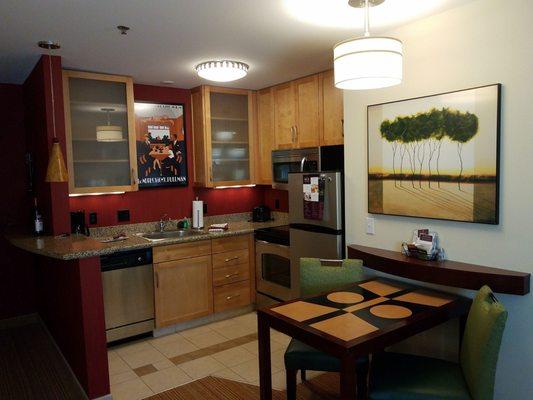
[161, 147]
[436, 156]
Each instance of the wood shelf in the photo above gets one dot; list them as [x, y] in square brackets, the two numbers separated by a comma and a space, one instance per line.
[223, 142]
[94, 140]
[215, 160]
[229, 119]
[448, 273]
[102, 161]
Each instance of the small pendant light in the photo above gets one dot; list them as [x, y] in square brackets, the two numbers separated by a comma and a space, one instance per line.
[367, 62]
[108, 133]
[56, 171]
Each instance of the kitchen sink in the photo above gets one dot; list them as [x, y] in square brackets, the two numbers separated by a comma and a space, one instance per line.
[170, 234]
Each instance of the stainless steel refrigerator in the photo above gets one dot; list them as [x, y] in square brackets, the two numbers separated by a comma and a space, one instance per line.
[321, 237]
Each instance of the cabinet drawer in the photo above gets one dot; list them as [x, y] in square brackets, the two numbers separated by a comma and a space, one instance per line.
[182, 250]
[230, 243]
[231, 296]
[235, 257]
[231, 274]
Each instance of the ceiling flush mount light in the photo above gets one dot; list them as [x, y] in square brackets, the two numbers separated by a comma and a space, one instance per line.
[108, 133]
[56, 170]
[368, 62]
[222, 71]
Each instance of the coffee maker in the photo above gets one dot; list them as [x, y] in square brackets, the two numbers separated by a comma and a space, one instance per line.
[77, 223]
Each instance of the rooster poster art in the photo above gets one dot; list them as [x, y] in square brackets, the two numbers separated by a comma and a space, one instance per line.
[436, 156]
[161, 149]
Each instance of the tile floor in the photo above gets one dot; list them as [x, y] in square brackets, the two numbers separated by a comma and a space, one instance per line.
[226, 349]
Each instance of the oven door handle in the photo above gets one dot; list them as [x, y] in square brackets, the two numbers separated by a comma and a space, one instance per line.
[283, 249]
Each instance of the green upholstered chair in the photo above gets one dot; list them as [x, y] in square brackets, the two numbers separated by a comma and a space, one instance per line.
[408, 377]
[317, 276]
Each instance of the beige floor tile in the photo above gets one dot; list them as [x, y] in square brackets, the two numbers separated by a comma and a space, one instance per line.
[163, 364]
[166, 379]
[247, 319]
[111, 355]
[277, 359]
[131, 348]
[162, 340]
[228, 374]
[178, 346]
[195, 331]
[207, 339]
[312, 374]
[222, 324]
[117, 365]
[143, 357]
[234, 356]
[280, 338]
[128, 375]
[235, 331]
[201, 367]
[249, 370]
[253, 348]
[135, 389]
[279, 380]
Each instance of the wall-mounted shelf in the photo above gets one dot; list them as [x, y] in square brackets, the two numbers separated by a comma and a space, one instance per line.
[448, 273]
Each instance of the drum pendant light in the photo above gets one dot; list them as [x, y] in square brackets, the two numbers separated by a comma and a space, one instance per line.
[367, 62]
[108, 133]
[56, 171]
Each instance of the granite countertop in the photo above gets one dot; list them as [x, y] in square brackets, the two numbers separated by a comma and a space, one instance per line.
[80, 246]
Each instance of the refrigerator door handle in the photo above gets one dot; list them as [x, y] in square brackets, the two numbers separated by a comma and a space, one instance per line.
[302, 164]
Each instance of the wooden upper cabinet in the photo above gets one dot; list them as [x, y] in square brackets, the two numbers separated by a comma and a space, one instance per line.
[309, 111]
[264, 143]
[333, 111]
[99, 162]
[284, 116]
[223, 129]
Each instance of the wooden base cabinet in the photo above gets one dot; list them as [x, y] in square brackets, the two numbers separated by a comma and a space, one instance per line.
[195, 279]
[183, 290]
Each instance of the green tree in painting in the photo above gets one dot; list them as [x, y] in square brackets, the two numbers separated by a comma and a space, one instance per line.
[422, 135]
[460, 128]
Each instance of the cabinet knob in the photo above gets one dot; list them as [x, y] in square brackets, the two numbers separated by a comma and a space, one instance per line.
[231, 259]
[228, 298]
[231, 275]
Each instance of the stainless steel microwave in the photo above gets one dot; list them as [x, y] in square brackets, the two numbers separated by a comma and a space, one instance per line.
[295, 160]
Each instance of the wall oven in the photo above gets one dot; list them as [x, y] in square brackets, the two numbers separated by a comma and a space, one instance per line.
[276, 278]
[295, 160]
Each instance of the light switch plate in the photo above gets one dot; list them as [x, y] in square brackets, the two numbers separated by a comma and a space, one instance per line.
[370, 226]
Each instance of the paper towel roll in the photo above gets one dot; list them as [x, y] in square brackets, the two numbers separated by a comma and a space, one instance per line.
[197, 214]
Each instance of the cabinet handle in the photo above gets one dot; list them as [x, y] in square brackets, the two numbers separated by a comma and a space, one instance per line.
[231, 259]
[292, 134]
[295, 133]
[211, 174]
[342, 121]
[133, 180]
[231, 275]
[156, 280]
[228, 298]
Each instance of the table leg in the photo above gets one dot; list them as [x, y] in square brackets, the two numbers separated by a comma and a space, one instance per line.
[265, 377]
[348, 378]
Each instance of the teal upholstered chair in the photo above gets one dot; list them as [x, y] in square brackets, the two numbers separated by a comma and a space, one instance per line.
[317, 276]
[408, 377]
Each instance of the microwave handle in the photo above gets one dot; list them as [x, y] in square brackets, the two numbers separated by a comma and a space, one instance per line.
[302, 164]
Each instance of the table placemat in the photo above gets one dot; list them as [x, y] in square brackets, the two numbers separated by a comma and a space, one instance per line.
[345, 297]
[345, 327]
[302, 310]
[390, 311]
[382, 288]
[426, 298]
[365, 304]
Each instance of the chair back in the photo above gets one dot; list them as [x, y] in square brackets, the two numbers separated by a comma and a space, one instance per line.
[318, 276]
[481, 343]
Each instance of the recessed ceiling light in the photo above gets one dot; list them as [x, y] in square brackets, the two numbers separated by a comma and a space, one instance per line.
[222, 71]
[167, 82]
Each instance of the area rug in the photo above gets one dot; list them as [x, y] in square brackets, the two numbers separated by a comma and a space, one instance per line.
[323, 387]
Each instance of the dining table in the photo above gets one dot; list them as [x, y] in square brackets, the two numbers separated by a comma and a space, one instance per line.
[355, 321]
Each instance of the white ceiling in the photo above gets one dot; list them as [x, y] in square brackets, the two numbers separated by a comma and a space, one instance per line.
[169, 37]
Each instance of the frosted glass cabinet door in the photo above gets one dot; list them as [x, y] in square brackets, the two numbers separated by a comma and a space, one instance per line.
[230, 144]
[100, 132]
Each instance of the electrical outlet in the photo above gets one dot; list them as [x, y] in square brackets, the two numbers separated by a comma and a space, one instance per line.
[205, 208]
[123, 215]
[370, 226]
[93, 218]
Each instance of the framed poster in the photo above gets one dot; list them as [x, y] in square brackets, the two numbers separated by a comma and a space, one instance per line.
[161, 147]
[436, 156]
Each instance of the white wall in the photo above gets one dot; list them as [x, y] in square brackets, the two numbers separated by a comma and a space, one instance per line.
[483, 42]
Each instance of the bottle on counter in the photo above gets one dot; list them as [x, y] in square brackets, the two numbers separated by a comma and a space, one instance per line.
[38, 226]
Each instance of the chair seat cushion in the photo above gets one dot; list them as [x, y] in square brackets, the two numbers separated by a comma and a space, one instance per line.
[301, 356]
[408, 377]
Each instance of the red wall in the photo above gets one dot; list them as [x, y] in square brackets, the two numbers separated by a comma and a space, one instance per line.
[150, 204]
[17, 283]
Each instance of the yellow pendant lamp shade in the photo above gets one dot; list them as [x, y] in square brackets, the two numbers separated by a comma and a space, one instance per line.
[56, 171]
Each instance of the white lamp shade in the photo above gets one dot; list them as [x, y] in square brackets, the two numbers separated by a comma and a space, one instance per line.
[222, 71]
[368, 63]
[108, 133]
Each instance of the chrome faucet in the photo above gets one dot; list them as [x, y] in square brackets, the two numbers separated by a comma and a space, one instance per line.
[163, 223]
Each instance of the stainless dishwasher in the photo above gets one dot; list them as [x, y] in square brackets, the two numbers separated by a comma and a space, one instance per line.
[128, 283]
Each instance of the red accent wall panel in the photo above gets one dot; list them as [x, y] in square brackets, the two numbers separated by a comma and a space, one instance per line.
[270, 197]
